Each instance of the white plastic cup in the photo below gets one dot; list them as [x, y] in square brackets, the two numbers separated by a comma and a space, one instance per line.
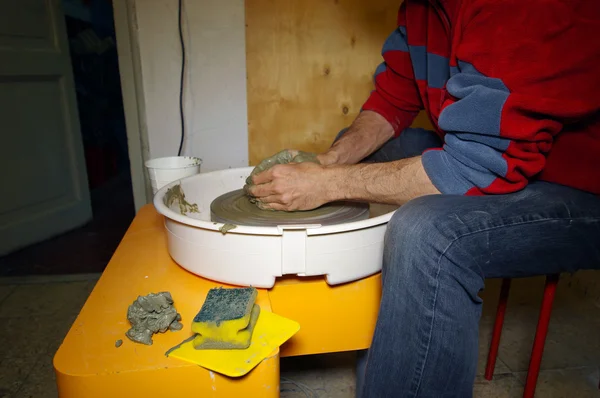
[163, 171]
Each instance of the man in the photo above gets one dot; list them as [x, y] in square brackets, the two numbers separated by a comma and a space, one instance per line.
[507, 186]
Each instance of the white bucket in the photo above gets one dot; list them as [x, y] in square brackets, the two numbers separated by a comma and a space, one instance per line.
[165, 170]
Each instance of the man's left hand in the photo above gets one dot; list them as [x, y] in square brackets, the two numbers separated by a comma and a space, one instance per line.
[290, 187]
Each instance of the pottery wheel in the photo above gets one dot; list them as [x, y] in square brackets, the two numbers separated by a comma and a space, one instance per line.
[235, 208]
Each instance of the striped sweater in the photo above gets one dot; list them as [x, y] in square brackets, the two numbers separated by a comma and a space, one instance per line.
[512, 87]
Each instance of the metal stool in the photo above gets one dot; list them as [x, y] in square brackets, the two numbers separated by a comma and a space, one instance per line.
[538, 342]
[540, 333]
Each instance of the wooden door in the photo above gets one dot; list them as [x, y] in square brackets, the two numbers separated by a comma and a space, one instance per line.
[42, 167]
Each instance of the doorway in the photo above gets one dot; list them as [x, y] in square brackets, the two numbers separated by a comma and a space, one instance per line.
[87, 249]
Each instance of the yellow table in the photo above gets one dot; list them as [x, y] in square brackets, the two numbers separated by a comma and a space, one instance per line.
[332, 319]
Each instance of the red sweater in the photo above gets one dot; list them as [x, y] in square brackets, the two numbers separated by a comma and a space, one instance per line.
[512, 86]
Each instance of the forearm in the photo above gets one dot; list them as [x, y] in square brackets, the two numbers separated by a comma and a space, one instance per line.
[368, 132]
[391, 182]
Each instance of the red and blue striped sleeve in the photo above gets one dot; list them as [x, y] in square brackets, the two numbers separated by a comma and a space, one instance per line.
[518, 79]
[396, 94]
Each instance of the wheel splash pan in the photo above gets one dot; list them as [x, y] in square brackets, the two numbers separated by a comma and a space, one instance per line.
[251, 255]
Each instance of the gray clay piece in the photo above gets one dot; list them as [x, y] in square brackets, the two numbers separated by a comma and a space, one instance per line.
[175, 194]
[283, 157]
[118, 343]
[227, 227]
[151, 314]
[239, 207]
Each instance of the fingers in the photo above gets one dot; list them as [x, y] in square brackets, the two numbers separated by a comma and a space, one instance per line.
[274, 172]
[264, 177]
[274, 206]
[277, 202]
[327, 158]
[271, 203]
[267, 200]
[262, 190]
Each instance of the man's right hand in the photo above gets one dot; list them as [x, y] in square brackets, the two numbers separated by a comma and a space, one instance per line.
[283, 157]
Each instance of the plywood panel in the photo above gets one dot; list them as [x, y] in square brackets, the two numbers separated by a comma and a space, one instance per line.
[309, 68]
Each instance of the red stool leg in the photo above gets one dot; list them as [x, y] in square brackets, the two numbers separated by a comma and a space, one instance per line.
[495, 343]
[540, 336]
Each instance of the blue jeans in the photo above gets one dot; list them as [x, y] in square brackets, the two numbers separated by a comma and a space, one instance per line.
[438, 251]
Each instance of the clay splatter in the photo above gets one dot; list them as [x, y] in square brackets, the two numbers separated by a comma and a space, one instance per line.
[226, 228]
[175, 193]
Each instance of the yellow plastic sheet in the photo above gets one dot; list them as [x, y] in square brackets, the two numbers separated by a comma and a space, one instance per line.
[271, 331]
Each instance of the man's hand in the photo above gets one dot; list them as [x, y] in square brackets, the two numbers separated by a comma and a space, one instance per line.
[306, 186]
[328, 158]
[366, 134]
[290, 187]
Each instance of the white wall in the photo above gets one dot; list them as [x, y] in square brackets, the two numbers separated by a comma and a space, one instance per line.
[215, 85]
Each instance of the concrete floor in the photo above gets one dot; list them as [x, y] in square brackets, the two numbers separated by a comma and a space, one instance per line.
[36, 313]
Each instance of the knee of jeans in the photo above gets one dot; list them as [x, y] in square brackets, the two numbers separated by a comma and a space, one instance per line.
[412, 221]
[418, 228]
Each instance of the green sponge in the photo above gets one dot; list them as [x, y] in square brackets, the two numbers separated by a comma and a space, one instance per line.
[226, 319]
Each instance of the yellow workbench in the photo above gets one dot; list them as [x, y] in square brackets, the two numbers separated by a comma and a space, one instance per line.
[88, 365]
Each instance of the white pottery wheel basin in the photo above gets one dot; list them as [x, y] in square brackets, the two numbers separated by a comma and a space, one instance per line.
[255, 256]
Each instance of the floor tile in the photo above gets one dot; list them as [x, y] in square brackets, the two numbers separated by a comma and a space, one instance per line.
[485, 336]
[5, 290]
[502, 386]
[332, 383]
[572, 338]
[33, 336]
[330, 376]
[41, 382]
[13, 373]
[45, 299]
[58, 330]
[567, 383]
[586, 284]
[571, 341]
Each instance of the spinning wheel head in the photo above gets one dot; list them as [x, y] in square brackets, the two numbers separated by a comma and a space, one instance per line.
[235, 208]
